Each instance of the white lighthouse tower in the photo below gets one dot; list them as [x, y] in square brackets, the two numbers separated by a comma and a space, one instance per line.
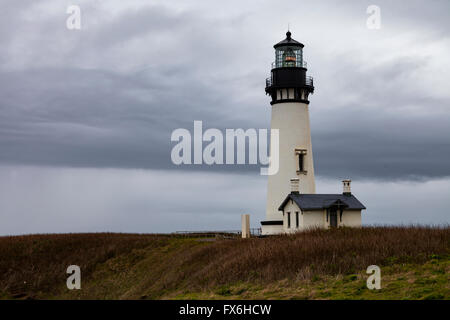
[289, 88]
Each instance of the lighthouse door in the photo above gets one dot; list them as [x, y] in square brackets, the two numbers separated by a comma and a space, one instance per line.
[333, 218]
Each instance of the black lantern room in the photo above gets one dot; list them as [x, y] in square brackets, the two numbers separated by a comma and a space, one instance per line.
[288, 81]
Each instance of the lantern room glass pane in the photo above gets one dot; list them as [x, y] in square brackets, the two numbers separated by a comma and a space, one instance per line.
[288, 57]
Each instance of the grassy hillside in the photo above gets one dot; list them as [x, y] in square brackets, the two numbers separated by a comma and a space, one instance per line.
[318, 264]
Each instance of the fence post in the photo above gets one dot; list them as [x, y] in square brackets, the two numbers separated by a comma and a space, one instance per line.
[245, 220]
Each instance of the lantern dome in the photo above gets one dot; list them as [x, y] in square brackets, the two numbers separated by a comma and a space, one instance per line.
[288, 42]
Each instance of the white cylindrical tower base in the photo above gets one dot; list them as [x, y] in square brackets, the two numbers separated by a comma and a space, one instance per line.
[295, 154]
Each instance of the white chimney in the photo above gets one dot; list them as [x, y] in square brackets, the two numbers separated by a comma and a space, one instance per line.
[295, 182]
[347, 189]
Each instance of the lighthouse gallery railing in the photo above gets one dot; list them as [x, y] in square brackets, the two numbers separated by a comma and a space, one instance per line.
[309, 81]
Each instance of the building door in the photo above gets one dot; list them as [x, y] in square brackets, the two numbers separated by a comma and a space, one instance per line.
[333, 218]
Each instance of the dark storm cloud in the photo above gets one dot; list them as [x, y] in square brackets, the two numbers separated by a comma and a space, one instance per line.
[110, 94]
[390, 132]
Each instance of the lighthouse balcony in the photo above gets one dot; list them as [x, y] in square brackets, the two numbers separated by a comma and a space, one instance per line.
[308, 81]
[289, 89]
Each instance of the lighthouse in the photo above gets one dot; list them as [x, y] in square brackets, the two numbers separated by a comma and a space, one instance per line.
[289, 87]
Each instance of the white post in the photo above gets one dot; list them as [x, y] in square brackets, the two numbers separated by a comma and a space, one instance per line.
[245, 220]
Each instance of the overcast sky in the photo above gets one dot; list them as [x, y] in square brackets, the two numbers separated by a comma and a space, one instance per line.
[86, 115]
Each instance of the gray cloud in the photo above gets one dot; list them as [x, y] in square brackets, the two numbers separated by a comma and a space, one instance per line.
[388, 132]
[111, 94]
[49, 200]
[107, 98]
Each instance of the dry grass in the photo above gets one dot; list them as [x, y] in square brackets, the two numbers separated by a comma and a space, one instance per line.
[35, 264]
[316, 252]
[132, 266]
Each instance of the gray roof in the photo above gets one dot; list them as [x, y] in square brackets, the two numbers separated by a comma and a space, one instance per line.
[323, 201]
[288, 42]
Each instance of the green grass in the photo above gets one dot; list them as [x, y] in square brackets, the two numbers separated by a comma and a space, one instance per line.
[409, 281]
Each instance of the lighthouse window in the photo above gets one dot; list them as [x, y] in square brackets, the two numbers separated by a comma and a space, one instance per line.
[296, 219]
[300, 153]
[300, 162]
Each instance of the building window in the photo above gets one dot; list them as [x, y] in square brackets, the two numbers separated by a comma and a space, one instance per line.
[288, 219]
[300, 154]
[296, 219]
